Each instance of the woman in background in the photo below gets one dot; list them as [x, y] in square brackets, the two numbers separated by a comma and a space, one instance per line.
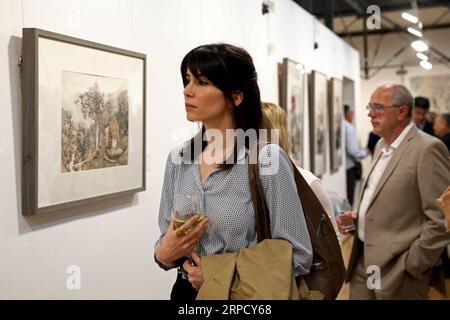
[275, 118]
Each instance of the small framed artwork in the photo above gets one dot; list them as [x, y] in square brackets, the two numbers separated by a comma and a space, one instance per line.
[318, 121]
[292, 101]
[335, 119]
[83, 121]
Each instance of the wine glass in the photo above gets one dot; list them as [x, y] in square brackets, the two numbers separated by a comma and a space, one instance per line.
[343, 207]
[185, 206]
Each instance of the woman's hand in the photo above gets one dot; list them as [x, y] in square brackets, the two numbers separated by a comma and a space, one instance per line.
[195, 274]
[181, 242]
[444, 201]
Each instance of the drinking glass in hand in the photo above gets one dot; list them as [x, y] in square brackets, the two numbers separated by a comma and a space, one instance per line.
[346, 217]
[185, 206]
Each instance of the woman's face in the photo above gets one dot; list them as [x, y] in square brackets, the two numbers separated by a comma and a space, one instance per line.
[203, 100]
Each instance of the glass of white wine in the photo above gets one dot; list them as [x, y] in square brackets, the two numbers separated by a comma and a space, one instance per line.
[185, 206]
[343, 207]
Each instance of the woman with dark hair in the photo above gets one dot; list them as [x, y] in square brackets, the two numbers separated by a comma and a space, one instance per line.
[221, 91]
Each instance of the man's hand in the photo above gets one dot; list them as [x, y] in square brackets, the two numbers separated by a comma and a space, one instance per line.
[444, 201]
[346, 222]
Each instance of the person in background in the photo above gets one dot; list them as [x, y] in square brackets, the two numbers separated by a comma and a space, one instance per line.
[275, 118]
[372, 142]
[399, 224]
[353, 153]
[431, 117]
[442, 128]
[420, 111]
[444, 201]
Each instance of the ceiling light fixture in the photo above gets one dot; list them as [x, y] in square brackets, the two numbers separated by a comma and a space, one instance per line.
[419, 45]
[426, 65]
[421, 56]
[410, 17]
[415, 32]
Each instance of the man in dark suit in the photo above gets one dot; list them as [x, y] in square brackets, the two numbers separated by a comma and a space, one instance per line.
[372, 142]
[421, 108]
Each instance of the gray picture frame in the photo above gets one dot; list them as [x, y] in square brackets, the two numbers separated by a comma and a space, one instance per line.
[37, 185]
[292, 100]
[318, 121]
[335, 122]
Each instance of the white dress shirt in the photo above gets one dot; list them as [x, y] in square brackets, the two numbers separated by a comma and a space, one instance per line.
[372, 181]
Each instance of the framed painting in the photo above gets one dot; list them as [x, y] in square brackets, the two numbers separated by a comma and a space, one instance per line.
[83, 121]
[292, 101]
[318, 121]
[335, 118]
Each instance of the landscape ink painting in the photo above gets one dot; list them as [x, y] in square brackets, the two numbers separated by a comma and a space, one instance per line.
[94, 126]
[84, 122]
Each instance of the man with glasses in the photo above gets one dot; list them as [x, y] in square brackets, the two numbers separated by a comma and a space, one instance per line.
[400, 231]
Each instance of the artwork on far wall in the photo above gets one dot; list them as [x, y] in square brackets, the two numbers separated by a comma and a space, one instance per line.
[83, 122]
[436, 88]
[335, 116]
[292, 101]
[318, 108]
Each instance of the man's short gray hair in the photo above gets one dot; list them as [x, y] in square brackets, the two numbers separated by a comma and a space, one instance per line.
[402, 96]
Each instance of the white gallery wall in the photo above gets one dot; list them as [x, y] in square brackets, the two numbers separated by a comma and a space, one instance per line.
[113, 243]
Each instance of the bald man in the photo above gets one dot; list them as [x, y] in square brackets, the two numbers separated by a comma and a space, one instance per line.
[400, 230]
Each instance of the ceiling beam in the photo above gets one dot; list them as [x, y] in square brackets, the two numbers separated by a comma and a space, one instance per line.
[391, 30]
[319, 10]
[329, 16]
[403, 33]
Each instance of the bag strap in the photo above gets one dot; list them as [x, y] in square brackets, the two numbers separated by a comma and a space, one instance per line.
[308, 199]
[262, 215]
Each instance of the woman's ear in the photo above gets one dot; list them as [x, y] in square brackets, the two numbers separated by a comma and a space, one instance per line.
[237, 97]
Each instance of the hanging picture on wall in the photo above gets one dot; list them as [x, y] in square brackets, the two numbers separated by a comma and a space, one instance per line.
[292, 101]
[318, 108]
[83, 121]
[335, 118]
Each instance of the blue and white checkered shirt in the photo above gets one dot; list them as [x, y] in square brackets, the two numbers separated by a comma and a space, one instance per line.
[227, 203]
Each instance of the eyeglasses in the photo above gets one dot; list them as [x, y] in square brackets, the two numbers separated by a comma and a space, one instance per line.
[379, 108]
